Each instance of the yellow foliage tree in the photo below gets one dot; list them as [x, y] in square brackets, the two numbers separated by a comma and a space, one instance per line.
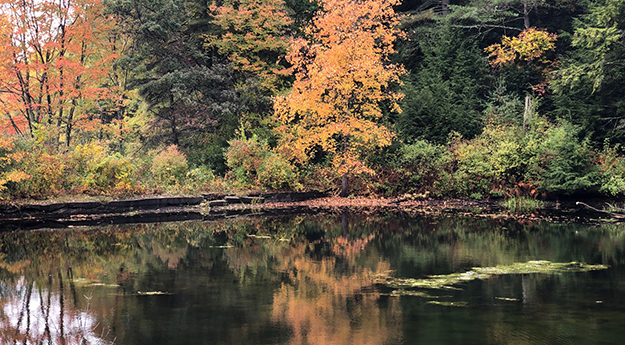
[343, 74]
[530, 45]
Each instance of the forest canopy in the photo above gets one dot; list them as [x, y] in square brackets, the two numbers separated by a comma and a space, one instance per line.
[441, 98]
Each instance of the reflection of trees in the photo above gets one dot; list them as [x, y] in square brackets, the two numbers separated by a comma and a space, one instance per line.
[34, 314]
[446, 245]
[308, 276]
[330, 301]
[325, 293]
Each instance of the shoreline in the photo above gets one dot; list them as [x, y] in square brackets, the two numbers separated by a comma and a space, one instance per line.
[170, 209]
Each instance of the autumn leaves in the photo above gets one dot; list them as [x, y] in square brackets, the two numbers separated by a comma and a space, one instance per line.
[54, 67]
[342, 77]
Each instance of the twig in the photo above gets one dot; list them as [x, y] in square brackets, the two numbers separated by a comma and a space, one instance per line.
[614, 207]
[615, 215]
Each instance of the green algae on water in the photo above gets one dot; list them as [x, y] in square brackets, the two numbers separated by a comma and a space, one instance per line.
[449, 281]
[449, 304]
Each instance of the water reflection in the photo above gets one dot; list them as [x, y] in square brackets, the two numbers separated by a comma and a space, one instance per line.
[305, 280]
[33, 314]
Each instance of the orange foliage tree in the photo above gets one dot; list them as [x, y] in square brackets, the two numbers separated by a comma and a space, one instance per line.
[54, 60]
[343, 74]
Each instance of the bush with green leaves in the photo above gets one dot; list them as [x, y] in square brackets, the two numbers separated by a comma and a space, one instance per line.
[170, 166]
[253, 164]
[423, 164]
[558, 161]
[505, 160]
[611, 167]
[490, 164]
[96, 170]
[48, 175]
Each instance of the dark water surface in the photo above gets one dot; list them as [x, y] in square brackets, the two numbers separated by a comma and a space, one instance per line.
[309, 280]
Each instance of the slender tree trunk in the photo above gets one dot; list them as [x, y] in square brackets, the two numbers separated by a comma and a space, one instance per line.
[527, 113]
[526, 16]
[344, 222]
[344, 185]
[70, 119]
[14, 125]
[445, 7]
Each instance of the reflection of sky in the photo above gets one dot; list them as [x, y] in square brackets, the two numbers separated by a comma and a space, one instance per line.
[44, 318]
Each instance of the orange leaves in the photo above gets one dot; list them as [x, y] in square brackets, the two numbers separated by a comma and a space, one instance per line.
[55, 60]
[342, 75]
[530, 45]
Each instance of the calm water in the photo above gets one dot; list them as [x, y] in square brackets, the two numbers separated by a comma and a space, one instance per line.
[308, 280]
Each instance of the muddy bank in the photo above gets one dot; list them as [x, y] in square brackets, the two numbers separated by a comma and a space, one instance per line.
[64, 209]
[210, 207]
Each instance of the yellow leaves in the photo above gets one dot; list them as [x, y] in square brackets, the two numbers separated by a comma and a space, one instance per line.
[253, 37]
[530, 45]
[342, 76]
[7, 159]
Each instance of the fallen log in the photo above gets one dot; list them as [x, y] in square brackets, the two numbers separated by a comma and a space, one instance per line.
[615, 215]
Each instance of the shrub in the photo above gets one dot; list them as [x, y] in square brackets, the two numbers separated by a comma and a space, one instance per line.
[200, 178]
[8, 161]
[318, 178]
[421, 164]
[558, 162]
[94, 170]
[47, 175]
[612, 171]
[276, 173]
[169, 166]
[112, 174]
[244, 158]
[487, 165]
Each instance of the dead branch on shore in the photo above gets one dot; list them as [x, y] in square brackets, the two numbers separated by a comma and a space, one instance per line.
[615, 215]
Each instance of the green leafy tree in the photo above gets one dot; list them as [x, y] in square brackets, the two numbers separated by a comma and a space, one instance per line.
[191, 93]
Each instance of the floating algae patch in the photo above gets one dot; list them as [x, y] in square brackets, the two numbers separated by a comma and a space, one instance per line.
[152, 293]
[449, 281]
[542, 266]
[403, 292]
[449, 304]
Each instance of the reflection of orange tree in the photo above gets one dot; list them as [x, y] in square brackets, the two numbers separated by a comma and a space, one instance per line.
[329, 301]
[327, 298]
[349, 248]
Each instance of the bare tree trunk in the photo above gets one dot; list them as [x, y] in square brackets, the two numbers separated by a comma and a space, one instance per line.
[526, 16]
[345, 222]
[70, 119]
[445, 7]
[344, 185]
[527, 113]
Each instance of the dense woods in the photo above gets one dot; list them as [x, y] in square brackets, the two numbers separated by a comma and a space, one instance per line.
[438, 98]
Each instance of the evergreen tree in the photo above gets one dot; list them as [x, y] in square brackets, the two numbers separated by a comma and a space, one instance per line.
[445, 89]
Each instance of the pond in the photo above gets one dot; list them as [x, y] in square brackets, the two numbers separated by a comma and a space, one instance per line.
[313, 279]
